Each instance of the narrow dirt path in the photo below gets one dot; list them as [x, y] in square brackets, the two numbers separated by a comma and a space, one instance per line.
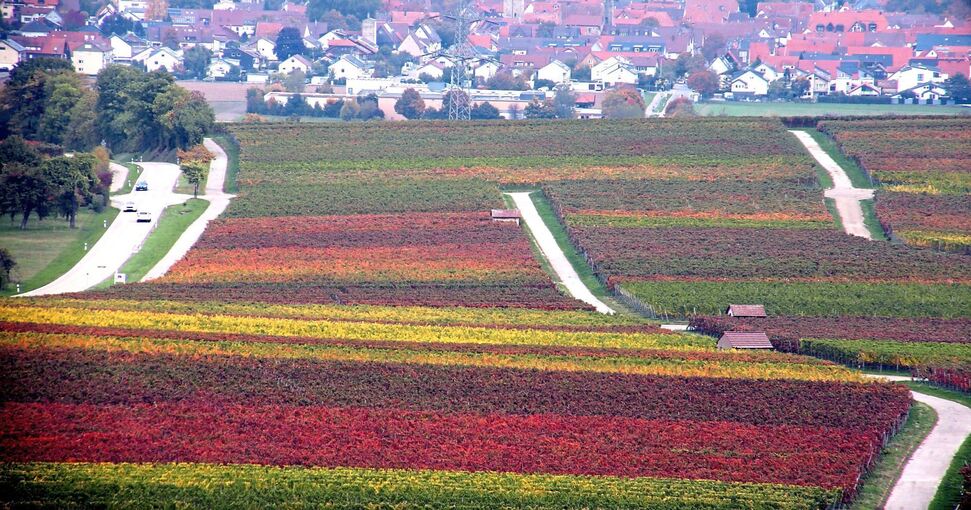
[124, 234]
[119, 174]
[218, 201]
[558, 261]
[847, 197]
[924, 470]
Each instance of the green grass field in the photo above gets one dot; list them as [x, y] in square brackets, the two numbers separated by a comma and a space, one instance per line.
[175, 219]
[47, 249]
[772, 109]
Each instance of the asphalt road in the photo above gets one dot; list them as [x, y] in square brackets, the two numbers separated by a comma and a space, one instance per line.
[124, 236]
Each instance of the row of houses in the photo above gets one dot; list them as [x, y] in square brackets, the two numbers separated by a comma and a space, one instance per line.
[853, 50]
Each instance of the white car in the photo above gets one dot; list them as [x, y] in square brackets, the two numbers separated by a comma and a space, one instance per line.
[143, 216]
[130, 207]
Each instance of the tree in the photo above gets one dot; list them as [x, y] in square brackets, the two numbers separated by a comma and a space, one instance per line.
[289, 42]
[504, 80]
[316, 9]
[73, 183]
[703, 82]
[14, 149]
[485, 111]
[350, 110]
[410, 104]
[24, 95]
[623, 103]
[196, 62]
[538, 110]
[6, 266]
[24, 190]
[680, 107]
[454, 96]
[295, 82]
[63, 91]
[195, 173]
[120, 25]
[254, 100]
[564, 103]
[184, 117]
[82, 131]
[958, 88]
[541, 84]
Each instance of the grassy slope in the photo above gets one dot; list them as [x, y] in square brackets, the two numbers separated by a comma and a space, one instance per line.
[878, 483]
[735, 109]
[949, 493]
[230, 185]
[48, 249]
[173, 222]
[579, 264]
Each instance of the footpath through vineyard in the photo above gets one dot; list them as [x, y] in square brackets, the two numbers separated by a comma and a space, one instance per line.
[925, 469]
[218, 201]
[554, 255]
[847, 197]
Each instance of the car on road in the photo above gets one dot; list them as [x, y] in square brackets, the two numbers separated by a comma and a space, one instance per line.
[143, 216]
[141, 186]
[130, 207]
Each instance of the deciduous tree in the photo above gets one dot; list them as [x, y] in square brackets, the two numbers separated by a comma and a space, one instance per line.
[410, 104]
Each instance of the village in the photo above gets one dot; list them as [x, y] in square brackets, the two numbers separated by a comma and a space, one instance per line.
[517, 52]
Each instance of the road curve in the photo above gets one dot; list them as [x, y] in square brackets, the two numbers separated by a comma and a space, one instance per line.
[123, 236]
[924, 470]
[558, 261]
[847, 197]
[218, 201]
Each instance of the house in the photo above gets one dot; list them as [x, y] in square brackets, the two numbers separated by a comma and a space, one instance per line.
[159, 59]
[420, 42]
[486, 70]
[924, 92]
[911, 76]
[746, 311]
[740, 340]
[11, 53]
[864, 90]
[434, 69]
[351, 67]
[506, 215]
[265, 47]
[296, 63]
[614, 70]
[748, 84]
[243, 58]
[90, 58]
[555, 71]
[219, 68]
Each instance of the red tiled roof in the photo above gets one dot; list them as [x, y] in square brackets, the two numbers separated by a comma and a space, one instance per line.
[738, 340]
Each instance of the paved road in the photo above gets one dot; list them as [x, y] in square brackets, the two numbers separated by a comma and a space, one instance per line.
[925, 469]
[218, 201]
[847, 197]
[123, 236]
[547, 244]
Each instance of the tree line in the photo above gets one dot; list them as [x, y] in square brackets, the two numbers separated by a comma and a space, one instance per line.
[126, 110]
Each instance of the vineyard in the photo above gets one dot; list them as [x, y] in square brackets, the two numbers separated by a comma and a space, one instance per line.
[378, 395]
[924, 167]
[938, 349]
[356, 331]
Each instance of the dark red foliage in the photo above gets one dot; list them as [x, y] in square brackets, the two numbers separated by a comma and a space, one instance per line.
[97, 377]
[201, 431]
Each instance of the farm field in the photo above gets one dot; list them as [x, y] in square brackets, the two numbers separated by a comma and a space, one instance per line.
[924, 169]
[785, 109]
[418, 408]
[357, 331]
